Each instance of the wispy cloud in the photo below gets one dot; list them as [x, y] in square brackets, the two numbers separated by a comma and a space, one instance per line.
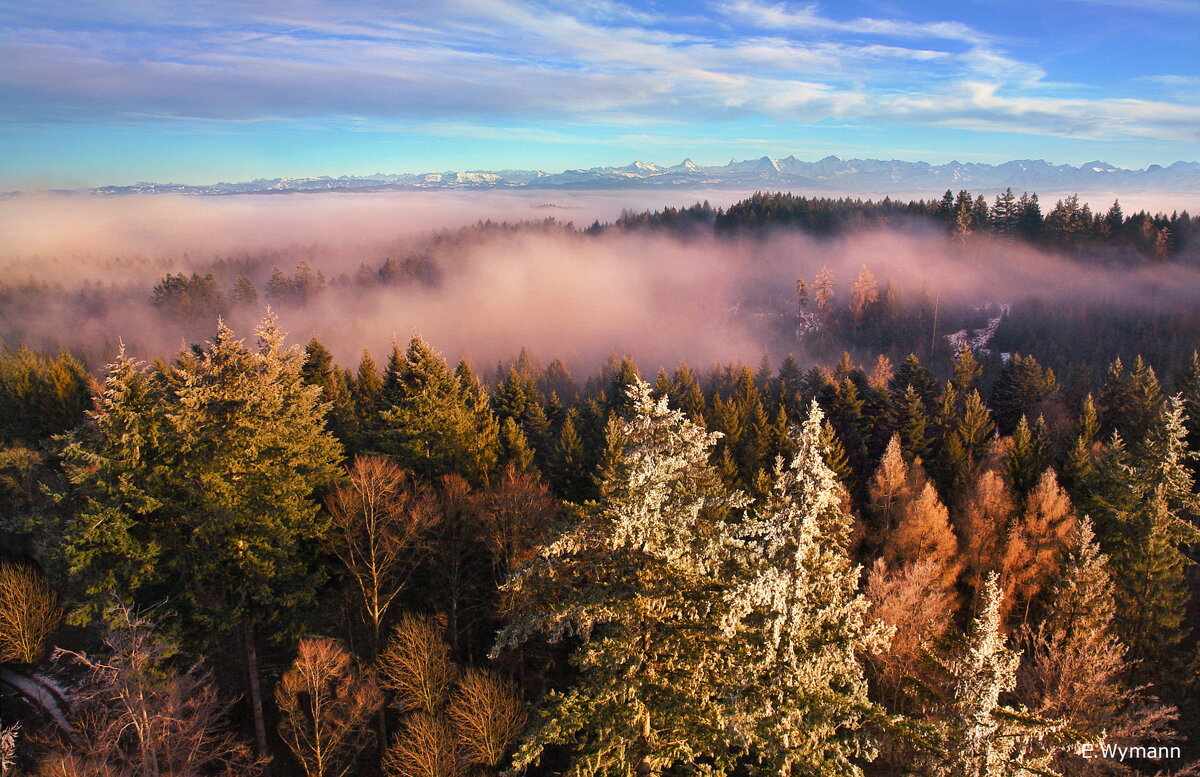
[482, 61]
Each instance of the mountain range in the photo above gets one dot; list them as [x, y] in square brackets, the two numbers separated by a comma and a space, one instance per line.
[829, 175]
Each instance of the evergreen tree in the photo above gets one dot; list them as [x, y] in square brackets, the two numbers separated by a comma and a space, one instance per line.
[235, 449]
[1026, 458]
[797, 625]
[912, 424]
[243, 292]
[643, 700]
[984, 738]
[1021, 385]
[439, 421]
[1188, 387]
[967, 370]
[366, 391]
[319, 370]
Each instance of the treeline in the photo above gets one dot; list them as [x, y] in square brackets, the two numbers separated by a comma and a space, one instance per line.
[1068, 226]
[267, 557]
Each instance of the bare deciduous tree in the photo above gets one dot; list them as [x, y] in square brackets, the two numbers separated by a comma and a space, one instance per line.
[487, 716]
[425, 747]
[133, 713]
[380, 528]
[515, 514]
[324, 703]
[29, 613]
[416, 665]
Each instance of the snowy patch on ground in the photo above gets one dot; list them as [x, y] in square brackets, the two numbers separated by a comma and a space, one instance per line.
[806, 324]
[977, 340]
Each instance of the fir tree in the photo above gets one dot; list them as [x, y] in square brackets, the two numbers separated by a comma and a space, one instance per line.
[983, 737]
[234, 525]
[648, 647]
[797, 625]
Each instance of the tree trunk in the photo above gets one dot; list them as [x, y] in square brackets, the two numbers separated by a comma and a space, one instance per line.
[260, 726]
[643, 766]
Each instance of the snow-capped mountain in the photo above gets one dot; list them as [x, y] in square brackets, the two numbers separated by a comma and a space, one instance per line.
[829, 175]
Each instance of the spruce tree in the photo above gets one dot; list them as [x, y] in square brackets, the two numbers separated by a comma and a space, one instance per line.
[648, 648]
[797, 625]
[439, 421]
[984, 738]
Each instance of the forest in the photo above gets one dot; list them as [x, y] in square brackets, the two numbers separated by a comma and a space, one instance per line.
[933, 513]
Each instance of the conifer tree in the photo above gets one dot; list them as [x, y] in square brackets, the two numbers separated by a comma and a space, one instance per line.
[1078, 670]
[644, 698]
[923, 532]
[1021, 385]
[686, 393]
[1188, 387]
[797, 624]
[1026, 459]
[1037, 542]
[366, 391]
[1080, 458]
[439, 421]
[913, 374]
[513, 447]
[983, 737]
[824, 290]
[912, 424]
[967, 370]
[225, 524]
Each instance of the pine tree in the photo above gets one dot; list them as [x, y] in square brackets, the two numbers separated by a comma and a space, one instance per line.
[797, 625]
[648, 648]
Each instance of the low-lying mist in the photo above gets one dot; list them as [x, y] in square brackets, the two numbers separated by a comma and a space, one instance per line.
[557, 291]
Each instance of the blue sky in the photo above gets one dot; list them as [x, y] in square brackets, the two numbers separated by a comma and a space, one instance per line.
[117, 92]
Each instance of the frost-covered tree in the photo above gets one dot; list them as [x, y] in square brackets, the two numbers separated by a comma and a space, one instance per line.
[631, 579]
[984, 738]
[797, 626]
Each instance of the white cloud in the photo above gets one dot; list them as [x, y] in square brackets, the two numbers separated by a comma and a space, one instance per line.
[475, 61]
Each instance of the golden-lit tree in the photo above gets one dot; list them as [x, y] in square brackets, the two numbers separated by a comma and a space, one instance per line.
[924, 533]
[324, 704]
[380, 525]
[29, 613]
[1037, 543]
[487, 715]
[914, 601]
[425, 746]
[415, 665]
